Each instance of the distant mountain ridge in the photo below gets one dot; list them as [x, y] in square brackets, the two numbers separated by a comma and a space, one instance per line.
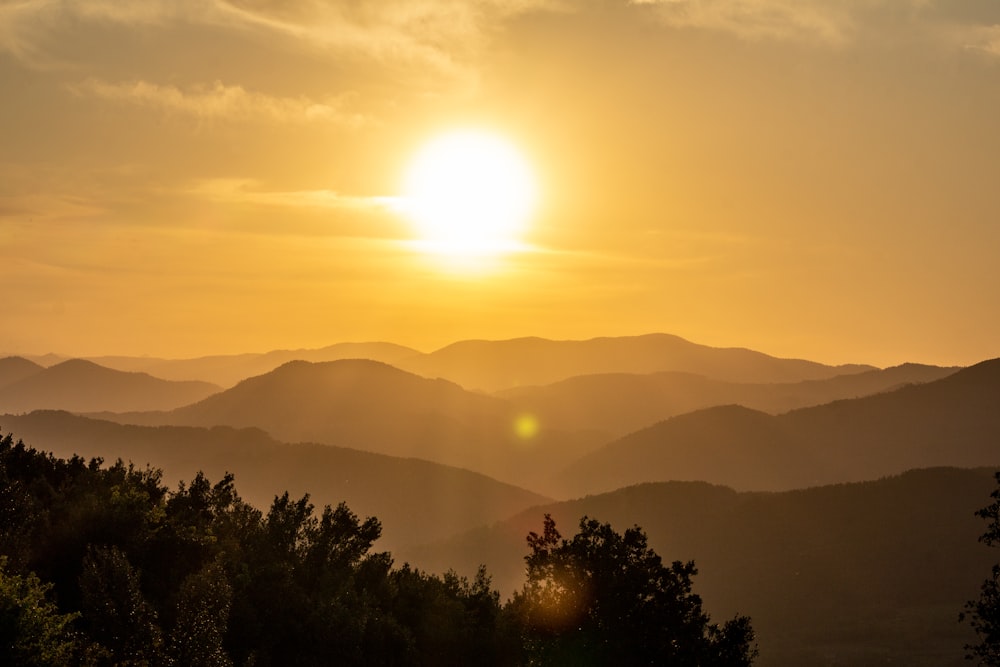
[858, 574]
[228, 369]
[377, 407]
[13, 369]
[951, 421]
[495, 365]
[417, 501]
[619, 403]
[83, 386]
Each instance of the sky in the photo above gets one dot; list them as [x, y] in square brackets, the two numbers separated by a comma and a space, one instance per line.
[809, 178]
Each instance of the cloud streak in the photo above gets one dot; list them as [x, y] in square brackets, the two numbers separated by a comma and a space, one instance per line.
[221, 101]
[835, 24]
[431, 33]
[788, 20]
[986, 40]
[442, 37]
[248, 191]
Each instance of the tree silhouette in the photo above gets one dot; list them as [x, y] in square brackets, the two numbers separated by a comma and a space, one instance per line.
[32, 631]
[606, 598]
[115, 612]
[138, 574]
[984, 614]
[202, 617]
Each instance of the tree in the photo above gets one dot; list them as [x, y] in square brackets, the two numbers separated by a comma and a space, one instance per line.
[115, 612]
[605, 598]
[146, 576]
[32, 631]
[202, 618]
[984, 614]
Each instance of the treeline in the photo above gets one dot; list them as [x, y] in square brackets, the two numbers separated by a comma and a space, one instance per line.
[104, 565]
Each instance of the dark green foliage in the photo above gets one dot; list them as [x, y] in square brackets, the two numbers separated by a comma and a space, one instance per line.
[202, 617]
[116, 615]
[984, 614]
[198, 577]
[604, 598]
[32, 631]
[140, 575]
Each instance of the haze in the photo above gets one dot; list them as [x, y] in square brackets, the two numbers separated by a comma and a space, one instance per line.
[811, 179]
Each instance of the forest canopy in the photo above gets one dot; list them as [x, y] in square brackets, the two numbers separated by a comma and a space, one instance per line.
[104, 565]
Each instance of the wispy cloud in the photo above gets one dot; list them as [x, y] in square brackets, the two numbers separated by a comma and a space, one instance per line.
[431, 33]
[829, 22]
[249, 191]
[840, 23]
[43, 207]
[985, 40]
[221, 101]
[442, 36]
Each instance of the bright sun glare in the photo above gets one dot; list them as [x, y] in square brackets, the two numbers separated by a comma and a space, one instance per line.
[469, 193]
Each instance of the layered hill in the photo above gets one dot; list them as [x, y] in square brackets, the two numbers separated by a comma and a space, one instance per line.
[13, 369]
[417, 501]
[376, 407]
[620, 403]
[228, 369]
[951, 421]
[496, 365]
[83, 386]
[851, 574]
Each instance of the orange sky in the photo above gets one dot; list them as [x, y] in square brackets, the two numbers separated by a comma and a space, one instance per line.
[812, 178]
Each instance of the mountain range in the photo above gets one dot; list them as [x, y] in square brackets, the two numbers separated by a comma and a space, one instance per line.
[951, 421]
[83, 386]
[850, 574]
[228, 369]
[833, 504]
[619, 403]
[369, 405]
[495, 365]
[416, 501]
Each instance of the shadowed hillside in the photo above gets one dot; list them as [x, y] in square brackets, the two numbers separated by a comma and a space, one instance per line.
[852, 574]
[375, 407]
[417, 501]
[952, 421]
[83, 386]
[619, 403]
[495, 365]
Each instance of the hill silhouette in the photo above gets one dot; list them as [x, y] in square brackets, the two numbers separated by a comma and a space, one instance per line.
[83, 386]
[620, 403]
[228, 369]
[496, 365]
[417, 501]
[850, 574]
[13, 369]
[375, 407]
[951, 421]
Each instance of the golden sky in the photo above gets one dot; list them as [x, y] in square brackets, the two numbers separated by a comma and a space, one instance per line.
[809, 178]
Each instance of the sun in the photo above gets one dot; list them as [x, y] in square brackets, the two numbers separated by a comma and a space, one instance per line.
[469, 192]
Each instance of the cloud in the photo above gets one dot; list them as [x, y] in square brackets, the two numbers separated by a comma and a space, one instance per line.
[838, 23]
[431, 33]
[21, 26]
[48, 207]
[797, 20]
[985, 40]
[443, 36]
[249, 191]
[253, 208]
[222, 101]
